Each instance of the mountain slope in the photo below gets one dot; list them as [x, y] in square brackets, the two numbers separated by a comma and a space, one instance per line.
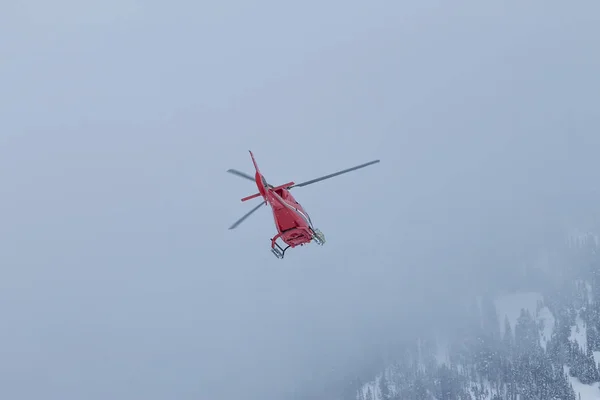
[541, 344]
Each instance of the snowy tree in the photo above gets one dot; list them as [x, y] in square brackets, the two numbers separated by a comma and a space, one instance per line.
[508, 339]
[384, 388]
[490, 317]
[514, 366]
[526, 334]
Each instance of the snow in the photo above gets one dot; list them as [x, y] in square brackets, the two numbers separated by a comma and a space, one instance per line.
[373, 387]
[578, 333]
[481, 388]
[590, 293]
[548, 321]
[583, 392]
[509, 306]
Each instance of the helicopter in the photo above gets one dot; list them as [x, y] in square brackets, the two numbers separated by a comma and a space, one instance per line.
[294, 226]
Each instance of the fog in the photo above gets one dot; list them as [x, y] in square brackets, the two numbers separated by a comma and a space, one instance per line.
[119, 278]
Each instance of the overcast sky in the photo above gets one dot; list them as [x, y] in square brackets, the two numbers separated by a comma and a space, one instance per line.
[118, 120]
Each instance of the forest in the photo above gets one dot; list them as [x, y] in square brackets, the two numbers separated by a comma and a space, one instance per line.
[492, 360]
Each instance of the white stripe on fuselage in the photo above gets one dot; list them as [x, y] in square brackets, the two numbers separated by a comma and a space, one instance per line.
[305, 217]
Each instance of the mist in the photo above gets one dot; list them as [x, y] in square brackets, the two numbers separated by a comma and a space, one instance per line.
[119, 278]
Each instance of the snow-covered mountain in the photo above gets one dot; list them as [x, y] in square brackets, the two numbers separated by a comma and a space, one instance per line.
[542, 344]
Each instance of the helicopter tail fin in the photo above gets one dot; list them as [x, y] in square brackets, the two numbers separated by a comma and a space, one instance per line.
[254, 162]
[259, 179]
[261, 182]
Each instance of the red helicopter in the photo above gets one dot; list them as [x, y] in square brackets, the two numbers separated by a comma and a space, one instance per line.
[294, 226]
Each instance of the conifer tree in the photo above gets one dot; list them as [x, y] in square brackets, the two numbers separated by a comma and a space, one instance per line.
[508, 339]
[383, 388]
[420, 391]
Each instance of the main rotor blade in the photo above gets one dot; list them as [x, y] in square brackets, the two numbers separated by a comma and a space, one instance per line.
[239, 221]
[240, 174]
[334, 174]
[244, 175]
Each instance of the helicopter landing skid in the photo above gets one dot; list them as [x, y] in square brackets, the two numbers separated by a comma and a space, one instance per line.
[318, 237]
[278, 251]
